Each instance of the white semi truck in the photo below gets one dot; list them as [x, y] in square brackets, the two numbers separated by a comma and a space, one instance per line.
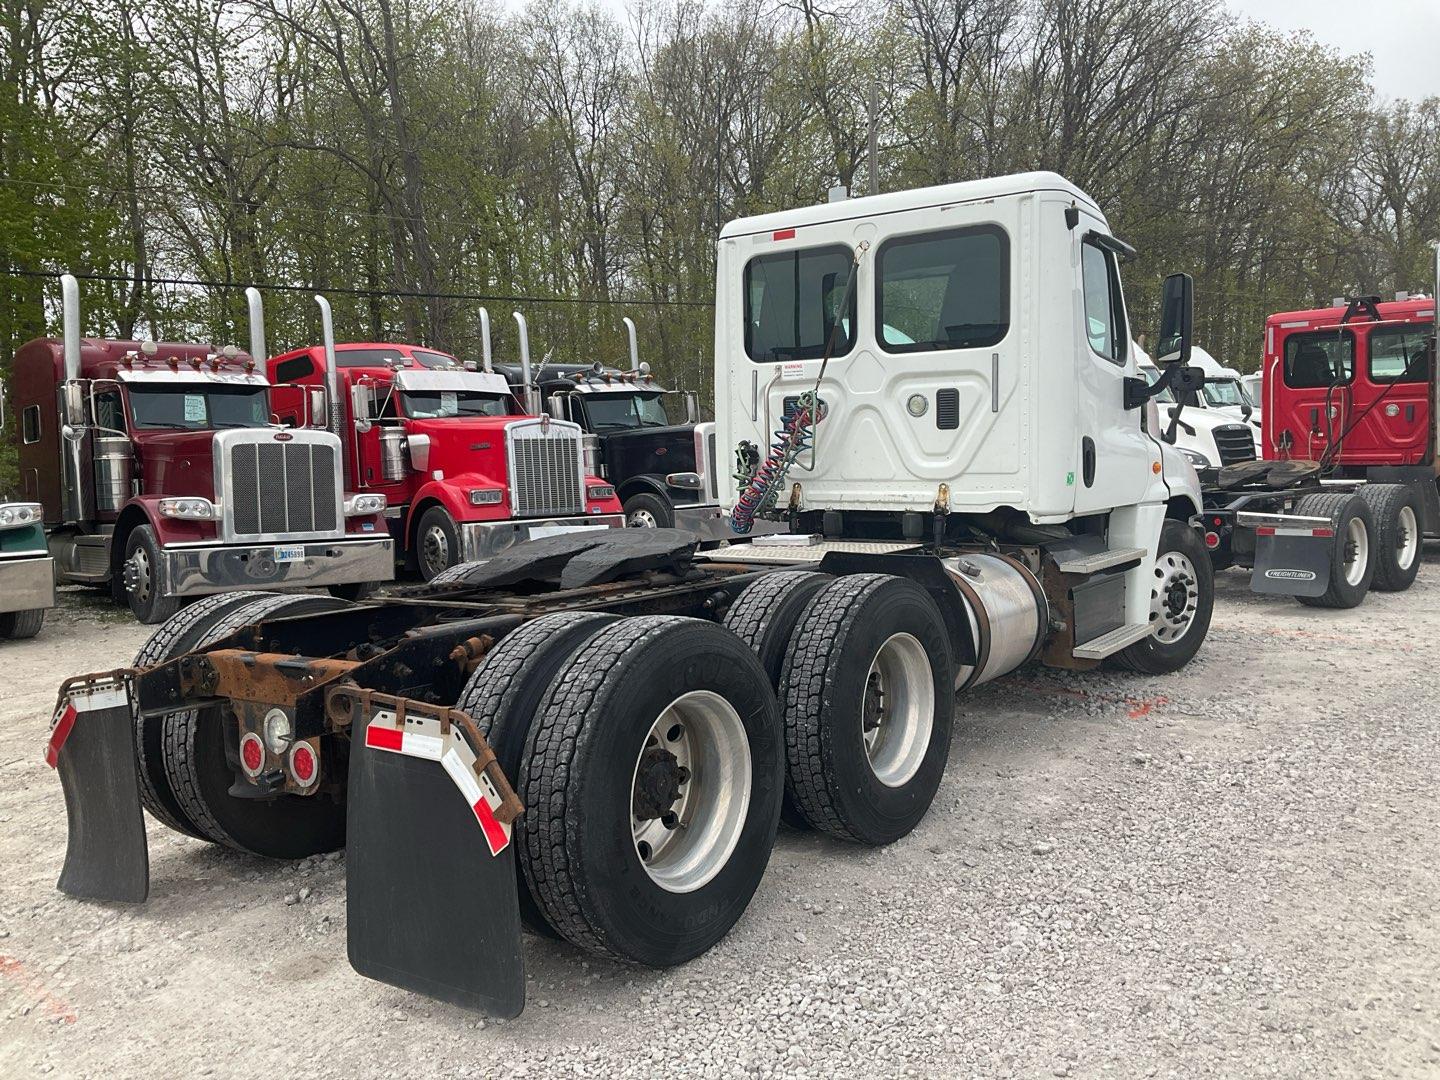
[935, 390]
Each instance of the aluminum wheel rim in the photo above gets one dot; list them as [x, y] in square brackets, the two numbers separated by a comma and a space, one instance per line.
[642, 519]
[700, 740]
[436, 549]
[140, 563]
[1357, 551]
[897, 713]
[1407, 542]
[1175, 598]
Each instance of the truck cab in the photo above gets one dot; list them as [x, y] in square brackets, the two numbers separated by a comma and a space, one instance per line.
[661, 465]
[464, 472]
[162, 474]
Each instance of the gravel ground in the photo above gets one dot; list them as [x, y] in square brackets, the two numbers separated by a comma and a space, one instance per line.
[1233, 871]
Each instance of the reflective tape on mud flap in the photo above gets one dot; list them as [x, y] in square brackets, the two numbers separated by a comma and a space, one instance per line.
[422, 737]
[72, 704]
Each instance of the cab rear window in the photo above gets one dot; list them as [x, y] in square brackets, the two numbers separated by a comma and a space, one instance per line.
[792, 303]
[1319, 359]
[1400, 353]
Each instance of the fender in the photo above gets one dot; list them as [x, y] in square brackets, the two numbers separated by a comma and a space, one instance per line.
[644, 483]
[453, 493]
[145, 510]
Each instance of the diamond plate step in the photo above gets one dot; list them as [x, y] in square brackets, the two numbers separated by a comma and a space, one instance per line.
[1101, 560]
[1109, 644]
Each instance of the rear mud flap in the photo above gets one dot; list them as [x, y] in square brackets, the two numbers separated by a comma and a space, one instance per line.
[92, 746]
[430, 869]
[1292, 564]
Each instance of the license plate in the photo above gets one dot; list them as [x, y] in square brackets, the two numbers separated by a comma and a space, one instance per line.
[290, 553]
[555, 530]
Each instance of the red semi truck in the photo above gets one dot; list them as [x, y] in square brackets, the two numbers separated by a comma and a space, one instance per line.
[464, 478]
[161, 474]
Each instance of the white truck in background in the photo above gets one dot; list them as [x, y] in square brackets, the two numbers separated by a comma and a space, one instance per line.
[1208, 437]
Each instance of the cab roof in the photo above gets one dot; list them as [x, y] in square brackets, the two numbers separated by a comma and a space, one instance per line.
[1416, 308]
[913, 199]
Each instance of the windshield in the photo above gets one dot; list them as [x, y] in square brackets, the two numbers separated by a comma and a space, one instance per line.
[443, 404]
[1223, 392]
[615, 412]
[198, 406]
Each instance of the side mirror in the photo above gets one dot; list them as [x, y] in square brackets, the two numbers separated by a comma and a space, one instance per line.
[1177, 316]
[362, 403]
[316, 406]
[692, 407]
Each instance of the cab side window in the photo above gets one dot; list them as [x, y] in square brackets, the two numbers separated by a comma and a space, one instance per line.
[110, 410]
[1104, 307]
[30, 424]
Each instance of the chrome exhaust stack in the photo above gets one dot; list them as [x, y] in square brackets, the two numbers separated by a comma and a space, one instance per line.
[335, 414]
[634, 347]
[257, 325]
[527, 385]
[70, 318]
[485, 357]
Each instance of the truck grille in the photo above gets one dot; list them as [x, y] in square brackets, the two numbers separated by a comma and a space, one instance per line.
[1235, 443]
[545, 468]
[282, 489]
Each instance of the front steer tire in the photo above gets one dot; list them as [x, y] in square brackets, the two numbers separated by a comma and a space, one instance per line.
[1181, 561]
[578, 844]
[140, 578]
[870, 658]
[18, 625]
[437, 543]
[201, 763]
[1348, 585]
[646, 510]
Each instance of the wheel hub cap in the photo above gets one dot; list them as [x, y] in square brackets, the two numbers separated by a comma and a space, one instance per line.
[658, 781]
[137, 575]
[1175, 597]
[641, 519]
[437, 549]
[898, 710]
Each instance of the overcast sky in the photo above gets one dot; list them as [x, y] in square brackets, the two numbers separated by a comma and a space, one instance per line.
[1401, 36]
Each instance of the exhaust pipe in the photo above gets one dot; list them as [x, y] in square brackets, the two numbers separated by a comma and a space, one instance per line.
[257, 325]
[527, 386]
[485, 341]
[70, 319]
[634, 348]
[336, 414]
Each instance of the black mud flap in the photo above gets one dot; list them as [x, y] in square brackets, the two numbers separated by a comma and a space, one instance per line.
[92, 745]
[432, 904]
[1292, 563]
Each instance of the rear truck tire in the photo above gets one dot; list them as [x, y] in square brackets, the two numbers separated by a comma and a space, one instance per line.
[17, 625]
[1352, 564]
[867, 698]
[1399, 524]
[201, 764]
[505, 690]
[437, 542]
[764, 616]
[177, 636]
[1182, 599]
[652, 777]
[646, 510]
[354, 591]
[139, 578]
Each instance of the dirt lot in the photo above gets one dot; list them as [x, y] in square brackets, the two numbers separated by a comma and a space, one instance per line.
[1230, 872]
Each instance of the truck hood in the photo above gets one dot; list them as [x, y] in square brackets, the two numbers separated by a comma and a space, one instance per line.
[176, 462]
[651, 450]
[456, 444]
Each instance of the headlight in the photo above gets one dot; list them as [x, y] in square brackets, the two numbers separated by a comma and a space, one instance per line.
[602, 491]
[362, 505]
[188, 509]
[487, 496]
[1199, 460]
[14, 515]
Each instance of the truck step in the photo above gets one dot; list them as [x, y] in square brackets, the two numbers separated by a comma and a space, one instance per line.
[1109, 644]
[762, 552]
[1101, 560]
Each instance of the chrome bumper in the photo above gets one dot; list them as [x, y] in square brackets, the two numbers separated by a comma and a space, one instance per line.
[199, 570]
[27, 584]
[486, 539]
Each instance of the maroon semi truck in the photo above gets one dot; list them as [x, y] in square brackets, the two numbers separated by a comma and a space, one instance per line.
[463, 476]
[163, 476]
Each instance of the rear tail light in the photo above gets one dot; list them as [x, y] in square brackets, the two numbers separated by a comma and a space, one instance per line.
[1212, 540]
[304, 764]
[252, 754]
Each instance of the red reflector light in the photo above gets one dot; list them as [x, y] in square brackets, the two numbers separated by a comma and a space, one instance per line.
[1218, 522]
[783, 234]
[1265, 530]
[252, 754]
[303, 764]
[1322, 532]
[1212, 540]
